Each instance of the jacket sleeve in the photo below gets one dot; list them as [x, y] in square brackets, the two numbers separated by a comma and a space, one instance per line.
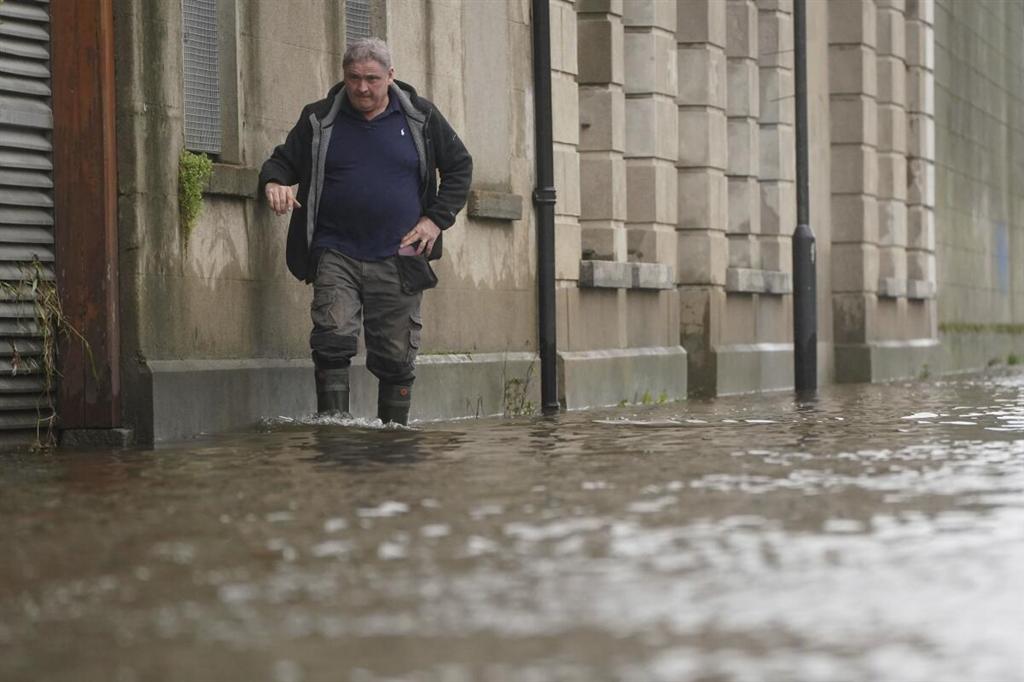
[455, 165]
[285, 162]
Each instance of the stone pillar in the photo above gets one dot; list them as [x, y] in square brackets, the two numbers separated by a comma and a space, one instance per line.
[651, 130]
[920, 37]
[602, 110]
[566, 133]
[777, 133]
[854, 173]
[892, 149]
[743, 105]
[702, 186]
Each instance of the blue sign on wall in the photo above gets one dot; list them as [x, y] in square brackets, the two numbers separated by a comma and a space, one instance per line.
[1001, 242]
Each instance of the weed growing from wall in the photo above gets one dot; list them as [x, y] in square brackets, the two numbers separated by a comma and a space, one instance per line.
[194, 171]
[515, 400]
[51, 327]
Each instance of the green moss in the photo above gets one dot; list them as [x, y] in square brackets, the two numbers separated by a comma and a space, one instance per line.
[194, 171]
[1013, 359]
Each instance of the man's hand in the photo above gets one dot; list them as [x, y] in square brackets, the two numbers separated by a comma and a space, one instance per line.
[281, 198]
[425, 232]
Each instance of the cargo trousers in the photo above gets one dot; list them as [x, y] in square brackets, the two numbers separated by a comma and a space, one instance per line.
[345, 290]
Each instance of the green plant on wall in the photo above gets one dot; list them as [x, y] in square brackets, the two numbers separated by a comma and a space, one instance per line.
[516, 395]
[194, 171]
[51, 327]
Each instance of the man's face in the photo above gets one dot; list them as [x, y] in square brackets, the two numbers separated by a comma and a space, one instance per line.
[367, 84]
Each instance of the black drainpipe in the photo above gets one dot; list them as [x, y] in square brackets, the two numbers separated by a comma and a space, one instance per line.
[805, 307]
[544, 205]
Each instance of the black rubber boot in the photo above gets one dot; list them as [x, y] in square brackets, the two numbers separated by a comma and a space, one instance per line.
[393, 403]
[332, 391]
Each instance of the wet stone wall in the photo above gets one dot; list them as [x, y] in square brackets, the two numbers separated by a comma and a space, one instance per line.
[979, 217]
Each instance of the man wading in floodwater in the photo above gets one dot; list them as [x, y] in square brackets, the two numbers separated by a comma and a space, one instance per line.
[366, 160]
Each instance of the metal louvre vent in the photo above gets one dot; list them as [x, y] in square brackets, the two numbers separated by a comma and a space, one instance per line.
[26, 209]
[202, 76]
[357, 19]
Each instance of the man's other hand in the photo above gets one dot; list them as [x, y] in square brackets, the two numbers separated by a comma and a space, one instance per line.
[281, 198]
[425, 232]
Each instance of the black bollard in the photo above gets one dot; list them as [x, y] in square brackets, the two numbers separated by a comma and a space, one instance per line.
[805, 286]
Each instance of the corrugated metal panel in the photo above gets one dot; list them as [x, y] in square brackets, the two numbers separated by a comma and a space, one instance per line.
[22, 178]
[19, 140]
[202, 75]
[357, 19]
[26, 209]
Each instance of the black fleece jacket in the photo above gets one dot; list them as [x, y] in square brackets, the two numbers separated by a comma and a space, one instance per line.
[299, 160]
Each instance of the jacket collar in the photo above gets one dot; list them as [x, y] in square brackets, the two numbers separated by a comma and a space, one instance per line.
[404, 93]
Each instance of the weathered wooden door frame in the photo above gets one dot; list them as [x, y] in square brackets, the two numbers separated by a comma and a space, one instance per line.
[85, 209]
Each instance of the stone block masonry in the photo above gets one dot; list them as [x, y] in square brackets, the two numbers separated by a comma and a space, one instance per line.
[651, 131]
[601, 44]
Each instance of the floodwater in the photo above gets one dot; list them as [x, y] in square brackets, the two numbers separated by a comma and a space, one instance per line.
[874, 533]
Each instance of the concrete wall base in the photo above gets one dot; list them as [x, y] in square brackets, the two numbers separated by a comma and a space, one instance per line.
[97, 438]
[599, 378]
[754, 367]
[886, 360]
[191, 397]
[973, 351]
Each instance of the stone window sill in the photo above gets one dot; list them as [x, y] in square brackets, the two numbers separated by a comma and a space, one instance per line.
[606, 274]
[914, 289]
[494, 205]
[229, 180]
[892, 287]
[919, 289]
[750, 281]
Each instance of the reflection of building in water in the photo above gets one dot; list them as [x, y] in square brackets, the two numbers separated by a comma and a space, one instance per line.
[674, 165]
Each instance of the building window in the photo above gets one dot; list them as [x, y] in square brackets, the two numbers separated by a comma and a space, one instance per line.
[202, 76]
[358, 19]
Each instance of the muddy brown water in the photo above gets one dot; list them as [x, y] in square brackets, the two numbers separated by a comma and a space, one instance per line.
[874, 533]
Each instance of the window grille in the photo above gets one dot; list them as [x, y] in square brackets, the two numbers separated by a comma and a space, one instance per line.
[357, 19]
[202, 76]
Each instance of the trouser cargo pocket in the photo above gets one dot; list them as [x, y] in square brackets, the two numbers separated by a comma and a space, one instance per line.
[415, 328]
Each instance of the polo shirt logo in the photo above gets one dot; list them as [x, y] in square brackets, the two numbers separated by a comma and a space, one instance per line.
[403, 132]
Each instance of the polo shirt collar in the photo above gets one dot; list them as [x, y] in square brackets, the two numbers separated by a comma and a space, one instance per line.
[349, 110]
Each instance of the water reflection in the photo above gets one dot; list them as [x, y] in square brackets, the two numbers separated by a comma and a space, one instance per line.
[876, 532]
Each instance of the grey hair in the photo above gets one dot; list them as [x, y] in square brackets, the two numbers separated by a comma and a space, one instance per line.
[361, 49]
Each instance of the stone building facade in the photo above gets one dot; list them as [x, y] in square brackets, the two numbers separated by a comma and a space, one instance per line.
[674, 134]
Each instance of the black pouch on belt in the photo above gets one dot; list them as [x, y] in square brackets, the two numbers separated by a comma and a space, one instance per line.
[416, 274]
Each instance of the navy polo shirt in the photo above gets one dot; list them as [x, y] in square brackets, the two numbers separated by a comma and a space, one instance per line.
[371, 189]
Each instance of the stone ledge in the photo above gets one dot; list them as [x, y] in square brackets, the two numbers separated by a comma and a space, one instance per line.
[606, 274]
[229, 180]
[891, 287]
[750, 281]
[920, 289]
[653, 276]
[494, 205]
